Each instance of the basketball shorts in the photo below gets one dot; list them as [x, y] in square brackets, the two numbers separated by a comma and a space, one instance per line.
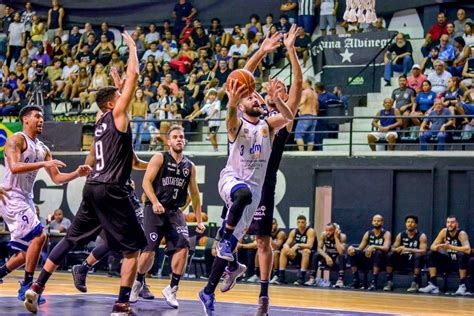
[262, 220]
[227, 186]
[20, 216]
[107, 207]
[171, 225]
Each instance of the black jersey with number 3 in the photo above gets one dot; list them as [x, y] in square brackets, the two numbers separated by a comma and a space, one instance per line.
[171, 182]
[113, 152]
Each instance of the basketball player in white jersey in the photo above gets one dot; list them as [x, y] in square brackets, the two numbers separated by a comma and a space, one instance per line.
[24, 156]
[250, 144]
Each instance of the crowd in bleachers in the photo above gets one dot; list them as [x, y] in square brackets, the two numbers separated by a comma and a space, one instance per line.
[430, 89]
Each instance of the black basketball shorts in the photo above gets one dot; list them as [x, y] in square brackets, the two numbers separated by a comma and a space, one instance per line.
[171, 225]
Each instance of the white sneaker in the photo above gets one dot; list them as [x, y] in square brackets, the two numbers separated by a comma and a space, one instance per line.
[339, 284]
[253, 279]
[310, 282]
[462, 290]
[430, 288]
[169, 293]
[136, 288]
[275, 280]
[31, 301]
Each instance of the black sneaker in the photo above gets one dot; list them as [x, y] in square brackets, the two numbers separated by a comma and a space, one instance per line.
[388, 84]
[79, 278]
[298, 282]
[356, 284]
[372, 287]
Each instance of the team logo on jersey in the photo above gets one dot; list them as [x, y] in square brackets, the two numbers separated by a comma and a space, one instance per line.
[99, 129]
[153, 236]
[246, 130]
[265, 132]
[186, 172]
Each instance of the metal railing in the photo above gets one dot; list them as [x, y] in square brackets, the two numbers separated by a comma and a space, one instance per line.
[335, 127]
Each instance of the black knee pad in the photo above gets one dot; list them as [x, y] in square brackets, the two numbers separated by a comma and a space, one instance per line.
[242, 195]
[101, 251]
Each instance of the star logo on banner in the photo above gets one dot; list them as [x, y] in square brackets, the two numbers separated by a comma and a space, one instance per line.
[346, 56]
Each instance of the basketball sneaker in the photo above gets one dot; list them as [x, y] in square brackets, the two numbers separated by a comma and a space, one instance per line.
[388, 286]
[372, 287]
[275, 280]
[413, 287]
[430, 288]
[32, 296]
[310, 282]
[462, 290]
[263, 306]
[22, 291]
[224, 250]
[207, 301]
[136, 288]
[169, 293]
[230, 277]
[339, 284]
[145, 293]
[298, 282]
[253, 279]
[79, 277]
[122, 309]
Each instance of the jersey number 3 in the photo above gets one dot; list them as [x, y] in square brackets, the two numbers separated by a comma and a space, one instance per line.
[99, 156]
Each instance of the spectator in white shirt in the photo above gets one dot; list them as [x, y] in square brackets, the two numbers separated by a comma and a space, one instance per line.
[212, 109]
[238, 51]
[70, 70]
[153, 51]
[439, 78]
[16, 38]
[27, 16]
[152, 36]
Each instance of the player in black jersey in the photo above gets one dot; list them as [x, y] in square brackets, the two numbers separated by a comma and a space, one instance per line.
[408, 252]
[449, 252]
[106, 204]
[331, 253]
[298, 248]
[371, 253]
[167, 180]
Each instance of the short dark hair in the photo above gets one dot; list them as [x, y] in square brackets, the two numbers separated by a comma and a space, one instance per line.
[320, 86]
[105, 95]
[413, 217]
[175, 128]
[255, 16]
[216, 19]
[402, 77]
[167, 89]
[452, 216]
[460, 40]
[301, 217]
[269, 16]
[284, 16]
[27, 110]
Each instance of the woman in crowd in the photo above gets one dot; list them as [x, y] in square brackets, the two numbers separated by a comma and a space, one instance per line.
[268, 24]
[24, 59]
[150, 71]
[184, 61]
[253, 25]
[117, 63]
[139, 110]
[99, 80]
[468, 35]
[59, 50]
[76, 86]
[160, 111]
[463, 52]
[104, 50]
[424, 102]
[191, 91]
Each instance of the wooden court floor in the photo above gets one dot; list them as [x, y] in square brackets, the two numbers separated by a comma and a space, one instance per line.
[314, 298]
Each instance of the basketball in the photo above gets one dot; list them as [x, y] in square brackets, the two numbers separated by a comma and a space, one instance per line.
[244, 77]
[203, 240]
[204, 217]
[191, 217]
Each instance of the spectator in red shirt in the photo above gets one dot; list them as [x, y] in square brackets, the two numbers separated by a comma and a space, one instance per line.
[433, 36]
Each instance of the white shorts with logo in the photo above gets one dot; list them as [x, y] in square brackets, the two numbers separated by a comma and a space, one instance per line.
[20, 216]
[226, 185]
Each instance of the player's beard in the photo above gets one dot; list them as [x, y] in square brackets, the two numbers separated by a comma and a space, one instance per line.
[377, 226]
[253, 113]
[177, 149]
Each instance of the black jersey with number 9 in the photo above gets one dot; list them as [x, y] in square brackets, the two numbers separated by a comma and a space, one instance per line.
[113, 152]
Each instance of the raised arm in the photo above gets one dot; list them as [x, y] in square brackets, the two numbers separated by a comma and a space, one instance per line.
[120, 111]
[269, 45]
[138, 164]
[297, 83]
[154, 166]
[196, 200]
[234, 93]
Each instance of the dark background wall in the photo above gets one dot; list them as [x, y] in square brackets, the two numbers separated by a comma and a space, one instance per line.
[429, 187]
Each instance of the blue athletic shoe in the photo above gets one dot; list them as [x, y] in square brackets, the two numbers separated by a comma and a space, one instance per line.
[22, 291]
[224, 250]
[207, 301]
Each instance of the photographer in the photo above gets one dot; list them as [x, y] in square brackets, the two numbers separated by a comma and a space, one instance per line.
[40, 92]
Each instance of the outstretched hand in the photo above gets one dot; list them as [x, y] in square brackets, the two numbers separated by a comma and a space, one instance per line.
[290, 37]
[118, 82]
[273, 87]
[271, 42]
[128, 39]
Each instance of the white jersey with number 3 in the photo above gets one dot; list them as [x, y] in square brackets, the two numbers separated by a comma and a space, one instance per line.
[249, 153]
